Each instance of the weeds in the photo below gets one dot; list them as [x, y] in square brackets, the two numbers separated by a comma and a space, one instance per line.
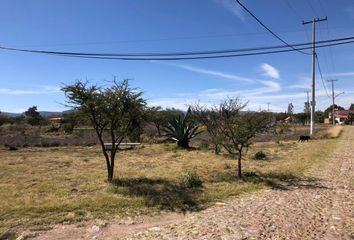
[41, 186]
[260, 155]
[191, 180]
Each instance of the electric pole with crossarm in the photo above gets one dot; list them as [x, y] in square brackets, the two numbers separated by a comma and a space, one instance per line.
[313, 102]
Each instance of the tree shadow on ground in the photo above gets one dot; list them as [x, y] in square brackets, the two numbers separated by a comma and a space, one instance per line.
[285, 181]
[160, 193]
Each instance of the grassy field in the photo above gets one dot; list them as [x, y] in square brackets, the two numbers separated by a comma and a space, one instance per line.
[42, 186]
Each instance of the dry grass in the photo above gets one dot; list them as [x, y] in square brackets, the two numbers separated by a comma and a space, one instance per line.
[41, 186]
[334, 132]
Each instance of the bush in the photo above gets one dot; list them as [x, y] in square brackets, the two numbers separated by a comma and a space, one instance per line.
[260, 155]
[181, 129]
[11, 147]
[54, 128]
[191, 180]
[68, 128]
[5, 119]
[250, 174]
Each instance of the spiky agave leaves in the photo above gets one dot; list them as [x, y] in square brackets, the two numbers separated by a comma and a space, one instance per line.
[181, 130]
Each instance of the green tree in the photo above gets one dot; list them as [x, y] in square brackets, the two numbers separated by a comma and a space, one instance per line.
[302, 117]
[351, 106]
[211, 119]
[320, 116]
[239, 130]
[329, 109]
[33, 117]
[4, 119]
[281, 116]
[290, 109]
[73, 119]
[112, 109]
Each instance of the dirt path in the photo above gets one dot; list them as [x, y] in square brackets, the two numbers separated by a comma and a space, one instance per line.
[318, 209]
[321, 209]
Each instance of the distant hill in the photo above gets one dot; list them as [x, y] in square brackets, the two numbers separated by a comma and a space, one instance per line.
[11, 114]
[50, 114]
[43, 113]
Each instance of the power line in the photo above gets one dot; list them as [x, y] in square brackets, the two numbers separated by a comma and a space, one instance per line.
[299, 16]
[268, 29]
[319, 69]
[207, 52]
[244, 34]
[322, 34]
[311, 6]
[192, 58]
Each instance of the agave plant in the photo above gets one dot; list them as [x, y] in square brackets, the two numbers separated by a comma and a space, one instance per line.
[181, 130]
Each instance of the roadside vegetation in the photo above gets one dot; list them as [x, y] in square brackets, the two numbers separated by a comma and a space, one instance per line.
[43, 186]
[187, 162]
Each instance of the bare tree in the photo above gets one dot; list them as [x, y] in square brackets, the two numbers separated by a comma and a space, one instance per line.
[112, 109]
[239, 130]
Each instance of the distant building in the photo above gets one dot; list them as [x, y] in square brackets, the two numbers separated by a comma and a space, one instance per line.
[342, 115]
[56, 120]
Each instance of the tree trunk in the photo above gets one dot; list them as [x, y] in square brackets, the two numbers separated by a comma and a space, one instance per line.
[110, 175]
[239, 169]
[111, 166]
[158, 130]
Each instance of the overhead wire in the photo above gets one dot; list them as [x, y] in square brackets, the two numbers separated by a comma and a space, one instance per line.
[171, 54]
[331, 58]
[231, 35]
[319, 70]
[107, 57]
[322, 33]
[268, 29]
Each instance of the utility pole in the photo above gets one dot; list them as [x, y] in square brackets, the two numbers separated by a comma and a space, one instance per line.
[268, 106]
[333, 119]
[313, 102]
[307, 107]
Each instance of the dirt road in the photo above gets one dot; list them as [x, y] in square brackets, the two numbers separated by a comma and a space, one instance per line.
[319, 208]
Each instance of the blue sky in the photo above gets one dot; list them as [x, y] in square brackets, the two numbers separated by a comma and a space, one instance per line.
[167, 26]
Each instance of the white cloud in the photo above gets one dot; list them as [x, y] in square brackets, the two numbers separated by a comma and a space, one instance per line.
[38, 91]
[179, 103]
[270, 71]
[213, 73]
[233, 7]
[342, 74]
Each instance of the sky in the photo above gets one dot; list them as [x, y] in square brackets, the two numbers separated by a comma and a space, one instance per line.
[128, 26]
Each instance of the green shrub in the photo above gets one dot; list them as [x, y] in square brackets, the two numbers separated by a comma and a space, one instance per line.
[5, 119]
[68, 128]
[191, 180]
[54, 128]
[260, 155]
[181, 129]
[250, 174]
